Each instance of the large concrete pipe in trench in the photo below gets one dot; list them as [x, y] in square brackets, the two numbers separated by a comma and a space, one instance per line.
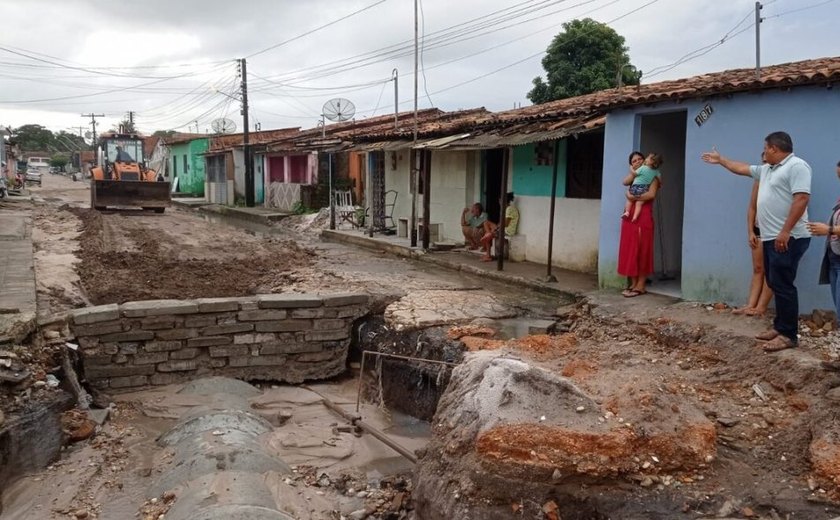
[219, 467]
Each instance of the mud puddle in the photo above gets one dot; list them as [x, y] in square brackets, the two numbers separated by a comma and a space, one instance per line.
[332, 471]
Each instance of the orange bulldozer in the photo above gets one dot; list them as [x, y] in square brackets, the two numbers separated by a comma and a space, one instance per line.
[120, 177]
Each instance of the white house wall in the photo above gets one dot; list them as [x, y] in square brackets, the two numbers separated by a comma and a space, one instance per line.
[576, 225]
[454, 185]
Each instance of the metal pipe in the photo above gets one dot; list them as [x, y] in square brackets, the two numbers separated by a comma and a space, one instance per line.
[357, 421]
[549, 277]
[396, 76]
[500, 230]
[758, 7]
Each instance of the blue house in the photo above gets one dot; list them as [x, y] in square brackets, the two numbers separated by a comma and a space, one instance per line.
[701, 250]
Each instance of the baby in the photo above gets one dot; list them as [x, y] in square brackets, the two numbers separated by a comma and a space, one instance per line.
[644, 177]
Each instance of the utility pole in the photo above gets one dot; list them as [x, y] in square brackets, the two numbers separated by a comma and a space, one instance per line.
[758, 7]
[93, 117]
[246, 143]
[396, 75]
[414, 166]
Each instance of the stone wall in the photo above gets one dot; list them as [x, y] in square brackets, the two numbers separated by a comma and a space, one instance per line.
[278, 337]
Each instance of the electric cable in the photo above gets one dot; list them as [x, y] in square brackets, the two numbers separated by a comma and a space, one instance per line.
[316, 29]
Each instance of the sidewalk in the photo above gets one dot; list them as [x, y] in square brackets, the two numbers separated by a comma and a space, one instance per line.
[260, 215]
[17, 273]
[703, 318]
[526, 274]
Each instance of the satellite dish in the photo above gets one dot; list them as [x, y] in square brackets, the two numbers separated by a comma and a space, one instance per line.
[223, 126]
[339, 109]
[88, 135]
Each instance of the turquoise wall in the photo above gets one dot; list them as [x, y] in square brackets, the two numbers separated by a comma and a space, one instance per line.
[192, 180]
[531, 179]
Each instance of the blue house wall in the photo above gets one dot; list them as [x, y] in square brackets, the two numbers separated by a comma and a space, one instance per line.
[716, 263]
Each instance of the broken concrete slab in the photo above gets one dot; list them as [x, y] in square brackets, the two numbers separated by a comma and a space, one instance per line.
[428, 308]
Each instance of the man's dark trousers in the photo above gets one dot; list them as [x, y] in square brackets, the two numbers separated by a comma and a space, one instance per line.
[780, 271]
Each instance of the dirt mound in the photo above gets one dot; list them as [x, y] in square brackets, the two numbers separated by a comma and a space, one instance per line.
[650, 419]
[121, 262]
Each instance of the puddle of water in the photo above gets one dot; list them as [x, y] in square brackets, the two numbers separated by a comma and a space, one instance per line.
[404, 425]
[514, 328]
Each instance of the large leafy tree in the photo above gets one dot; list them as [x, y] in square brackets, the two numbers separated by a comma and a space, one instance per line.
[586, 57]
[34, 138]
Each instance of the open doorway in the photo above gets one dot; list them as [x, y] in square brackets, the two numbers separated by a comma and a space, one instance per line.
[665, 134]
[494, 163]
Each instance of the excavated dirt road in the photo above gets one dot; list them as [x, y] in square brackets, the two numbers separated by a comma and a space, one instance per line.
[654, 374]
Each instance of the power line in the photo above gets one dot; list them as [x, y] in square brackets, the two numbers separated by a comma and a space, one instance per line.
[316, 29]
[111, 91]
[380, 98]
[702, 51]
[435, 39]
[422, 49]
[532, 56]
[812, 6]
[31, 56]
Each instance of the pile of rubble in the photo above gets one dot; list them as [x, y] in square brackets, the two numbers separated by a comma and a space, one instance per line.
[386, 499]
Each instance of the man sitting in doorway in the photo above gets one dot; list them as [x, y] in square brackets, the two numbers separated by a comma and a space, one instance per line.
[472, 225]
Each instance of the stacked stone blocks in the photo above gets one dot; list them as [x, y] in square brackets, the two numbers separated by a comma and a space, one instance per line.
[277, 337]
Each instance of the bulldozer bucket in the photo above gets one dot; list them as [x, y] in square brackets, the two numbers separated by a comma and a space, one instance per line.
[147, 195]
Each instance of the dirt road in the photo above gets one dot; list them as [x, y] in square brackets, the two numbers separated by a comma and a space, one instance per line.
[87, 257]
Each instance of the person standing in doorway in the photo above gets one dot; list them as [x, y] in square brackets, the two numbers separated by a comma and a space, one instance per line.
[784, 191]
[635, 246]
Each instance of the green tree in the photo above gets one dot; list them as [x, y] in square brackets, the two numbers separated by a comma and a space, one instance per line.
[163, 133]
[33, 138]
[586, 57]
[59, 160]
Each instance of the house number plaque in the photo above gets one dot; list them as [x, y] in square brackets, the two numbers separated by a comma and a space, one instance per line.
[704, 115]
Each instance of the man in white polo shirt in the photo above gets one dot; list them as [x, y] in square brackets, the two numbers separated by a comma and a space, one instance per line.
[784, 190]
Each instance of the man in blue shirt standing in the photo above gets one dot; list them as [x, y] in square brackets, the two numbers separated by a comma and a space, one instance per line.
[784, 190]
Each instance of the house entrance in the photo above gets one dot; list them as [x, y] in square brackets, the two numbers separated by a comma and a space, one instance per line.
[666, 133]
[494, 163]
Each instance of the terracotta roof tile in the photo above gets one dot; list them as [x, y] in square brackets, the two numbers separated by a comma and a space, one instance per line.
[807, 72]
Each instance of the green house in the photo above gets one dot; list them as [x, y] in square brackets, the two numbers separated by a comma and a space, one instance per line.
[186, 165]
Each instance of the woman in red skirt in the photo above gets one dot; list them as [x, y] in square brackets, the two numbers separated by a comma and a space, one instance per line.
[635, 248]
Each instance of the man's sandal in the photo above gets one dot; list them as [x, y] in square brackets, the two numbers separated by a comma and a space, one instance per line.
[778, 343]
[767, 335]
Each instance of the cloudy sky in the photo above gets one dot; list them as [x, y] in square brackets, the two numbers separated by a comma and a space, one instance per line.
[172, 62]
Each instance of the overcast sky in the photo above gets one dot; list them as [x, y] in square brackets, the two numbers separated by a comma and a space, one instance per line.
[172, 61]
